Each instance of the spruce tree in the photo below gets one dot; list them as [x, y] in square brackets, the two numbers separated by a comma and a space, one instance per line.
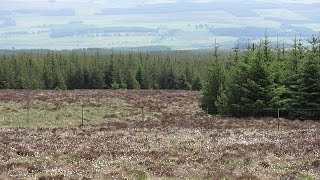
[131, 81]
[293, 74]
[230, 96]
[172, 79]
[109, 75]
[96, 79]
[247, 88]
[196, 85]
[140, 78]
[59, 82]
[182, 82]
[189, 75]
[213, 84]
[76, 80]
[86, 79]
[309, 89]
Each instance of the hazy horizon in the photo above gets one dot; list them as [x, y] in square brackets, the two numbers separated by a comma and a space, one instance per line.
[177, 24]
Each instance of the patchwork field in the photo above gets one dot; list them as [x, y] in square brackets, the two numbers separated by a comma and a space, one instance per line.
[146, 135]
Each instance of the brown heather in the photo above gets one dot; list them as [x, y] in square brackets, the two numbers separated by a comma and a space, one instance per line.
[176, 140]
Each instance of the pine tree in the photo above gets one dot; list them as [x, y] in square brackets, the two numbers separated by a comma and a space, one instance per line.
[277, 89]
[109, 75]
[140, 78]
[247, 88]
[2, 72]
[266, 48]
[196, 85]
[20, 74]
[168, 78]
[258, 96]
[96, 79]
[293, 97]
[86, 79]
[76, 80]
[172, 79]
[309, 89]
[213, 84]
[59, 82]
[182, 82]
[131, 81]
[189, 75]
[236, 51]
[230, 96]
[212, 87]
[49, 73]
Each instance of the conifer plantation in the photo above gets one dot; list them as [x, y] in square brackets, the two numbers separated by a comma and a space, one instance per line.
[102, 69]
[256, 81]
[159, 89]
[264, 80]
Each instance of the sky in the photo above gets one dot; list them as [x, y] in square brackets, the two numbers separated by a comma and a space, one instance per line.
[11, 4]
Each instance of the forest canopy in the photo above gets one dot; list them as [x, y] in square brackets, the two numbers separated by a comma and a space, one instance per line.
[102, 69]
[252, 82]
[262, 79]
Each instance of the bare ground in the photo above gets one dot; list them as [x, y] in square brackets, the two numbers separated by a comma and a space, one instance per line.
[175, 140]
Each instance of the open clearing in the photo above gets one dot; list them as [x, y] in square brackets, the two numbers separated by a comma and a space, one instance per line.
[42, 139]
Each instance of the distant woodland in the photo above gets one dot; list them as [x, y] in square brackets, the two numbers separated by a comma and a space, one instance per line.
[102, 69]
[251, 82]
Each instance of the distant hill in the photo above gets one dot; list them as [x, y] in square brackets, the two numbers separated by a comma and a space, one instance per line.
[163, 24]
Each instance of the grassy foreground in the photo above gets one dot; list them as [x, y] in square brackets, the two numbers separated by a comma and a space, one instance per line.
[40, 138]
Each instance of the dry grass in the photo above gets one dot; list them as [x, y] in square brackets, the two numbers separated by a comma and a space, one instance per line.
[176, 140]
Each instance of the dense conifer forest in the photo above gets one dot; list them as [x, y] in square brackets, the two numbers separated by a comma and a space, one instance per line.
[251, 82]
[102, 69]
[262, 80]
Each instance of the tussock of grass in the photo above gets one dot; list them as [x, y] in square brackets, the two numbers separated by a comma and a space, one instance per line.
[175, 141]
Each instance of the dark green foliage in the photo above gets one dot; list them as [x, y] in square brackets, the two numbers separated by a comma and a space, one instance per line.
[256, 89]
[230, 100]
[109, 75]
[248, 89]
[96, 79]
[189, 76]
[140, 77]
[309, 89]
[265, 81]
[171, 80]
[86, 79]
[212, 88]
[196, 85]
[168, 79]
[131, 81]
[59, 82]
[213, 84]
[99, 69]
[255, 82]
[182, 83]
[76, 80]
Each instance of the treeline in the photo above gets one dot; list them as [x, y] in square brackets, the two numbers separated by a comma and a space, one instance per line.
[253, 82]
[102, 69]
[262, 79]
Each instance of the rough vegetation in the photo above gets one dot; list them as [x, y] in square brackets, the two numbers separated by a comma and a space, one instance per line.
[174, 140]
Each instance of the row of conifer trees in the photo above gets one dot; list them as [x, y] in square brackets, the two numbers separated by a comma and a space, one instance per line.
[263, 80]
[256, 81]
[102, 69]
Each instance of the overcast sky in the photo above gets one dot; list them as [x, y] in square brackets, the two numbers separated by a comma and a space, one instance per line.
[56, 4]
[130, 2]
